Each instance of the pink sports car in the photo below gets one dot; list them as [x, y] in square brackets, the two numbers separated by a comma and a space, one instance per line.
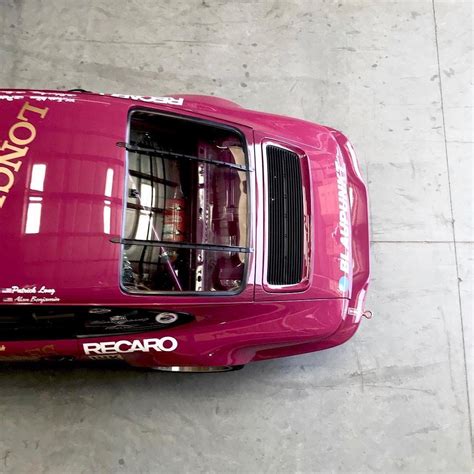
[182, 233]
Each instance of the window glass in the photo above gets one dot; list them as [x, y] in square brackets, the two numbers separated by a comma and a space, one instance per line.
[187, 215]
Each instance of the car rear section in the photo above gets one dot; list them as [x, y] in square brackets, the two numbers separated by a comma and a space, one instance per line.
[174, 232]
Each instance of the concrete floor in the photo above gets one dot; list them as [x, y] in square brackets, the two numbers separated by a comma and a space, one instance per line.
[395, 76]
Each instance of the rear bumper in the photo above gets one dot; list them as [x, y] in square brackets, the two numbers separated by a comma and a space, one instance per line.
[221, 335]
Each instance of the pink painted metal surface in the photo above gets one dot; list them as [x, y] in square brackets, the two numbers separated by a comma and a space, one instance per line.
[62, 185]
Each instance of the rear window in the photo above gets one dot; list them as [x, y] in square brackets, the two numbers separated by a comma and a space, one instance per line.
[186, 225]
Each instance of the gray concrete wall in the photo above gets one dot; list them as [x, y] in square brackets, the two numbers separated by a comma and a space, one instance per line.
[395, 76]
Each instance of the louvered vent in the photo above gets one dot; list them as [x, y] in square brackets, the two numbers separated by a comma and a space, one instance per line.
[285, 217]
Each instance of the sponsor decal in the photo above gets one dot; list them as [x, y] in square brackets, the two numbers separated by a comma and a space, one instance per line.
[151, 99]
[344, 224]
[29, 294]
[106, 357]
[163, 344]
[37, 95]
[99, 310]
[51, 99]
[20, 135]
[29, 289]
[35, 353]
[32, 299]
[12, 97]
[42, 96]
[42, 351]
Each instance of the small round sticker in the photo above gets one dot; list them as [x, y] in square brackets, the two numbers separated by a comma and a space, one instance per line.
[343, 283]
[166, 318]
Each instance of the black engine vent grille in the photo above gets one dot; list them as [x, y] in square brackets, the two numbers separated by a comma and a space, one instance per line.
[285, 217]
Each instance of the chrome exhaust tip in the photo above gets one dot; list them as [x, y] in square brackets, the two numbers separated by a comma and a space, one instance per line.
[197, 369]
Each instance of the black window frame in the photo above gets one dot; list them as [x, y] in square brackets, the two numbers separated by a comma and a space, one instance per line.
[247, 251]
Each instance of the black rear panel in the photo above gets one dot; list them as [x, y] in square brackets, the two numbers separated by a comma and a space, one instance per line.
[285, 217]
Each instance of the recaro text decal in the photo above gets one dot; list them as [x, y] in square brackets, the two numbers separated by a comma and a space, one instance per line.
[163, 344]
[15, 148]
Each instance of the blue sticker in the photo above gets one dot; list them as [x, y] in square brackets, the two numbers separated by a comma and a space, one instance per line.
[343, 284]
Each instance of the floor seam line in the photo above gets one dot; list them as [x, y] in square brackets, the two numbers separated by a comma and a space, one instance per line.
[421, 242]
[452, 220]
